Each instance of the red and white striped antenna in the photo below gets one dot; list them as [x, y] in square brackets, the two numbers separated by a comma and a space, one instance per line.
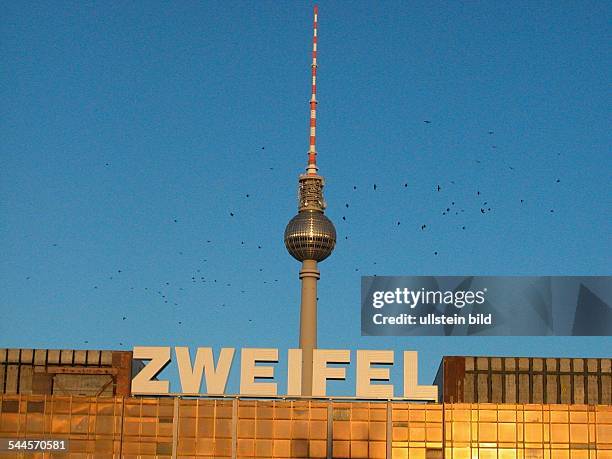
[312, 152]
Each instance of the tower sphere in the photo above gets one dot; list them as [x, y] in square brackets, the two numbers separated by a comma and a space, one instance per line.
[310, 235]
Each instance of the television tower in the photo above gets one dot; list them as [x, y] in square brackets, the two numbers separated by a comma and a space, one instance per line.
[310, 237]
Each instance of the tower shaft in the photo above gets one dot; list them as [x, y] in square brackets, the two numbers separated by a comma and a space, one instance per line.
[309, 274]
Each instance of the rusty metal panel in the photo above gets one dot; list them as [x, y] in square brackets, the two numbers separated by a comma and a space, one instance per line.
[31, 370]
[523, 388]
[497, 388]
[525, 380]
[578, 365]
[27, 356]
[53, 357]
[511, 392]
[538, 389]
[42, 383]
[537, 364]
[592, 392]
[40, 357]
[93, 358]
[83, 385]
[455, 371]
[482, 363]
[13, 356]
[552, 382]
[122, 361]
[606, 390]
[566, 388]
[80, 357]
[451, 379]
[579, 389]
[592, 365]
[483, 388]
[468, 389]
[11, 384]
[25, 379]
[564, 365]
[106, 358]
[66, 357]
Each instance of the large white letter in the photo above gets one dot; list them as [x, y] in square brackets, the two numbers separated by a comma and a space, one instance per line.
[191, 377]
[366, 374]
[412, 390]
[321, 372]
[249, 371]
[294, 372]
[160, 357]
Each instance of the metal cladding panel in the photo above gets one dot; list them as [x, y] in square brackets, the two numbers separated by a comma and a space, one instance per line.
[525, 380]
[66, 371]
[122, 361]
[11, 382]
[451, 380]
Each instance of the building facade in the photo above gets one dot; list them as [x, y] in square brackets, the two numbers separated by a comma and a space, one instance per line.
[112, 424]
[142, 427]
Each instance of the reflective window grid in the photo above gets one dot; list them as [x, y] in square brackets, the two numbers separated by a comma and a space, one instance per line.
[133, 427]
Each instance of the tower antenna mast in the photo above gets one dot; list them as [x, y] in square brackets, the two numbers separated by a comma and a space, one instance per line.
[312, 152]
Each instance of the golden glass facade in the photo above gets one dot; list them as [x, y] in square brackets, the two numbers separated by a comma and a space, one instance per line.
[132, 427]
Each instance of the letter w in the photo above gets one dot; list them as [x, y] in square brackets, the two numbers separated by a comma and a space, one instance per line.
[191, 377]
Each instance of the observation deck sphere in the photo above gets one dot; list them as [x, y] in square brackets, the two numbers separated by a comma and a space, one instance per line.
[310, 235]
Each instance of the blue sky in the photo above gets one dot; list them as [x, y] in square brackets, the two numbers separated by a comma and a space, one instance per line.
[130, 132]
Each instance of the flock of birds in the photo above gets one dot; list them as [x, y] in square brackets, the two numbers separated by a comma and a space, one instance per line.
[163, 292]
